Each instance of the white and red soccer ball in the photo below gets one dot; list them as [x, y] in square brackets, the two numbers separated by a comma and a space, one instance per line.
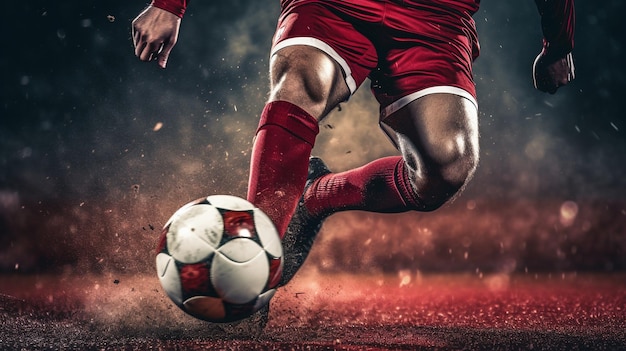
[219, 258]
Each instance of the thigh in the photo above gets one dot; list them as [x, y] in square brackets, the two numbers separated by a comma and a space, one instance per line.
[329, 26]
[307, 78]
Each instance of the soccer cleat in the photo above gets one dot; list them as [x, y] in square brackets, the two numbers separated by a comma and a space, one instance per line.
[303, 227]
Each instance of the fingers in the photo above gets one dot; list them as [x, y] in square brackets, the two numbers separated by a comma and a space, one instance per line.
[154, 52]
[548, 76]
[139, 47]
[542, 80]
[151, 51]
[164, 54]
[148, 50]
[563, 72]
[154, 33]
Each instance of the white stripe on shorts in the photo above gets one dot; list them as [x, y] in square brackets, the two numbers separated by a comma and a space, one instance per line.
[403, 101]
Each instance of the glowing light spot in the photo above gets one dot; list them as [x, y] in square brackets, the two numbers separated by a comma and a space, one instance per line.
[536, 149]
[497, 282]
[405, 277]
[568, 213]
[471, 204]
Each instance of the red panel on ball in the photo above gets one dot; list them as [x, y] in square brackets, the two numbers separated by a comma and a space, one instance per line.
[195, 279]
[162, 240]
[206, 308]
[239, 223]
[276, 272]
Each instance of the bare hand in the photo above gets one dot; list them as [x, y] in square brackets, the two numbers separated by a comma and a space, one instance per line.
[549, 73]
[155, 32]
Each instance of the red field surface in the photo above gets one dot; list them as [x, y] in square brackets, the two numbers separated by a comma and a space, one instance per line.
[407, 311]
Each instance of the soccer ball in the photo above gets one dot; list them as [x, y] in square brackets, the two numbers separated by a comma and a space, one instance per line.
[219, 258]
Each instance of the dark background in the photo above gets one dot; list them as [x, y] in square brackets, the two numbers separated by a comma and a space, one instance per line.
[97, 149]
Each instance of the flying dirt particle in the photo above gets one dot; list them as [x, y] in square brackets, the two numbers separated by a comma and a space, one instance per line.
[157, 126]
[329, 126]
[116, 281]
[111, 18]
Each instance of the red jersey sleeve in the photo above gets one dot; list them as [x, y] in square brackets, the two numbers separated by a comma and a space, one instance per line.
[557, 24]
[176, 7]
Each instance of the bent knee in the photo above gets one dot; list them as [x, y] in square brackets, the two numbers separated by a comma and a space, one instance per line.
[442, 191]
[307, 77]
[438, 183]
[453, 160]
[456, 173]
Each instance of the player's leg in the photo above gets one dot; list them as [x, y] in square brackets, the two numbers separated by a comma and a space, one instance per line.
[310, 74]
[437, 135]
[426, 89]
[305, 85]
[307, 77]
[318, 60]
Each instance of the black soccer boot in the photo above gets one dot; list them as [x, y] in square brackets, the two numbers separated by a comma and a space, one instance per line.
[303, 227]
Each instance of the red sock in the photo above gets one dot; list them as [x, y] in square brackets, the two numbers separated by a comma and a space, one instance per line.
[280, 160]
[379, 186]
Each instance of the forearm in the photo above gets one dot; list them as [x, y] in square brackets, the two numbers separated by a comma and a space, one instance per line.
[176, 7]
[557, 24]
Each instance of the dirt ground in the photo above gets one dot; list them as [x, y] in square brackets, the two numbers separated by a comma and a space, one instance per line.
[408, 311]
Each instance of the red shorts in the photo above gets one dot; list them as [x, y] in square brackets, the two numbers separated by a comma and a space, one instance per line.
[407, 49]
